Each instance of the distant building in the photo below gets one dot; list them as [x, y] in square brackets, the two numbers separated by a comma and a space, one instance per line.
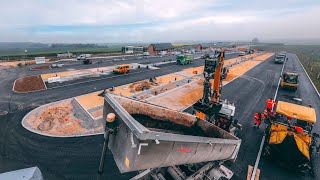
[62, 55]
[40, 60]
[133, 49]
[157, 48]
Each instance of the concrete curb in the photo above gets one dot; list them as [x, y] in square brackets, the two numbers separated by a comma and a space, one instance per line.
[50, 135]
[315, 88]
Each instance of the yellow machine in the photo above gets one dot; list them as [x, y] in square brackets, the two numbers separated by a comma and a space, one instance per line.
[122, 69]
[291, 142]
[289, 80]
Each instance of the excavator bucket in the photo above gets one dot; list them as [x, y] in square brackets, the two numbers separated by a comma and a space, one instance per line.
[150, 136]
[210, 110]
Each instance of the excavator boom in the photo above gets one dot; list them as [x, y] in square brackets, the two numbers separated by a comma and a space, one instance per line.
[217, 78]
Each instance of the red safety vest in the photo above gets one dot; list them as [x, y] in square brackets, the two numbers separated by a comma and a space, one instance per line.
[270, 104]
[256, 116]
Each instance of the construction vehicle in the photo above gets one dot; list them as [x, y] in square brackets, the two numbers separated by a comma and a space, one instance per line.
[289, 80]
[83, 56]
[210, 107]
[87, 61]
[122, 69]
[280, 58]
[242, 53]
[289, 137]
[160, 142]
[184, 59]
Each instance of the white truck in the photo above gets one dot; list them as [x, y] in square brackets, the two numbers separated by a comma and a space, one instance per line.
[83, 56]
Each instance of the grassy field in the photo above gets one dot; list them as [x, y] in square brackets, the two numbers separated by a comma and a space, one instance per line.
[13, 52]
[309, 56]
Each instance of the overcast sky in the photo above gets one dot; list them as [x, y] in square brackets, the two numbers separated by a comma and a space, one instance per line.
[105, 21]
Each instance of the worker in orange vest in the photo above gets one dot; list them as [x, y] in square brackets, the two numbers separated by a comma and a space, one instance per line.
[270, 104]
[258, 119]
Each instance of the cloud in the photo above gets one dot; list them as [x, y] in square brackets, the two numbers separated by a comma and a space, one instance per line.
[165, 20]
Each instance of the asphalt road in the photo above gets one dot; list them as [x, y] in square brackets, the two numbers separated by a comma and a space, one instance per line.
[10, 101]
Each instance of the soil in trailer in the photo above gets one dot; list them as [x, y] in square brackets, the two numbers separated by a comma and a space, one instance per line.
[168, 126]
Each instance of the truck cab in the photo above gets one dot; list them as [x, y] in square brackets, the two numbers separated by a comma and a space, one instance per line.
[184, 59]
[280, 58]
[289, 80]
[83, 56]
[122, 69]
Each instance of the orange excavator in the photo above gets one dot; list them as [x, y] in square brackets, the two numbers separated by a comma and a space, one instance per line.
[210, 107]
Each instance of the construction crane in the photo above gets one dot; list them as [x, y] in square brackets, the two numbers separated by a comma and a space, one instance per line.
[210, 107]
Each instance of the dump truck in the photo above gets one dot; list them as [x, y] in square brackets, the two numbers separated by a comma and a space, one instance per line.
[160, 142]
[121, 69]
[183, 59]
[289, 80]
[289, 137]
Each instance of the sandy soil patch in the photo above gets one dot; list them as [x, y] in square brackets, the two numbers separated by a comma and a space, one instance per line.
[97, 113]
[58, 119]
[91, 100]
[77, 72]
[137, 87]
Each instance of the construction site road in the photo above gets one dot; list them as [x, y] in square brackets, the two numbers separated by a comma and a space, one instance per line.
[10, 101]
[308, 95]
[249, 93]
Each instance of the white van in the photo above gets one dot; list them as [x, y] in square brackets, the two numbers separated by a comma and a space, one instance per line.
[146, 53]
[83, 56]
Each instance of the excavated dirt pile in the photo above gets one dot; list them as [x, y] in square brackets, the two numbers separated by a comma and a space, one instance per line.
[28, 84]
[54, 116]
[40, 68]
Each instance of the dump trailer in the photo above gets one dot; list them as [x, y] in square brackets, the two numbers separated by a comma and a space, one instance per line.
[289, 80]
[184, 59]
[289, 138]
[163, 141]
